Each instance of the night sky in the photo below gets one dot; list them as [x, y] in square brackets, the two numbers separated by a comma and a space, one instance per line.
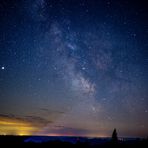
[74, 67]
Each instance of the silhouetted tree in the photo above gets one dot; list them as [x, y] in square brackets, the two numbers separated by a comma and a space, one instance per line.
[114, 136]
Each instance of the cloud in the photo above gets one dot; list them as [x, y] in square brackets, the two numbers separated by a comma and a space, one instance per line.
[12, 125]
[48, 111]
[7, 116]
[63, 130]
[35, 121]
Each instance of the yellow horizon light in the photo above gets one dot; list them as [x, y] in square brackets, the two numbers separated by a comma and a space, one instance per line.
[16, 127]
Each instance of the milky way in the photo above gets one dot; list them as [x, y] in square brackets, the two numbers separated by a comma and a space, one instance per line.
[74, 67]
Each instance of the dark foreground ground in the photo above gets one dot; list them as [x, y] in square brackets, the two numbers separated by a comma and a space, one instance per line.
[23, 141]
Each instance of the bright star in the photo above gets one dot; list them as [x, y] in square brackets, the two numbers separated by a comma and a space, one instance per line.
[2, 67]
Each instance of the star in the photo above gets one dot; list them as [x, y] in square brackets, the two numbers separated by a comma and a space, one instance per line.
[83, 68]
[2, 67]
[93, 108]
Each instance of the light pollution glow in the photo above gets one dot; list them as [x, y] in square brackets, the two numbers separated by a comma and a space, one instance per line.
[16, 127]
[11, 126]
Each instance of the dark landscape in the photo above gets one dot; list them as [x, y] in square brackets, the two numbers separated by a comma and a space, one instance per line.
[50, 141]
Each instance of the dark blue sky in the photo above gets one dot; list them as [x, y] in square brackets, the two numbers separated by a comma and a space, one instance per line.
[74, 67]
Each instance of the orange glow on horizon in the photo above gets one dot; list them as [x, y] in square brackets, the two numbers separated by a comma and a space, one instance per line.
[12, 126]
[16, 127]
